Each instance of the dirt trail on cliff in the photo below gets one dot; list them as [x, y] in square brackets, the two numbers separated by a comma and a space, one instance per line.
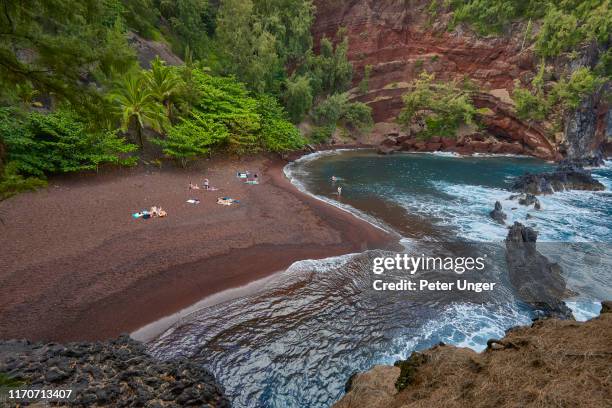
[553, 363]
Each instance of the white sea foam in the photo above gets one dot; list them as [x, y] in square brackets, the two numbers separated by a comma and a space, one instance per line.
[584, 310]
[462, 325]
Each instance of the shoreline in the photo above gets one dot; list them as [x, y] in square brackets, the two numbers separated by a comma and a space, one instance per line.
[276, 172]
[153, 295]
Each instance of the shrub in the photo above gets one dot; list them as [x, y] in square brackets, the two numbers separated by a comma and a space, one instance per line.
[278, 134]
[193, 137]
[364, 85]
[529, 105]
[441, 107]
[571, 92]
[40, 144]
[298, 97]
[11, 182]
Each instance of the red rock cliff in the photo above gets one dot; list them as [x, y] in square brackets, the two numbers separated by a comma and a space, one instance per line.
[400, 38]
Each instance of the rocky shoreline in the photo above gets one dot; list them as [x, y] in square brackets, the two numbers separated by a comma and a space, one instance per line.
[550, 363]
[117, 373]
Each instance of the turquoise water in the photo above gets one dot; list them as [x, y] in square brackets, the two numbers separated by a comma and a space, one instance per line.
[295, 342]
[455, 193]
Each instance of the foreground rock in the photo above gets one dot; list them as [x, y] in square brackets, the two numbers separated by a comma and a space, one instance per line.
[552, 363]
[118, 373]
[536, 280]
[566, 177]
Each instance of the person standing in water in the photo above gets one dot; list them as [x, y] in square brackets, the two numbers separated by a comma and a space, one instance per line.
[333, 179]
[339, 191]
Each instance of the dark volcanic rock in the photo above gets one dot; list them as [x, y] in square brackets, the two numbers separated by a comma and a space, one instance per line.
[566, 177]
[497, 214]
[527, 199]
[536, 280]
[115, 373]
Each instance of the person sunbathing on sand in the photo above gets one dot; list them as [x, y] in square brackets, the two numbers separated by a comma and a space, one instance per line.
[193, 186]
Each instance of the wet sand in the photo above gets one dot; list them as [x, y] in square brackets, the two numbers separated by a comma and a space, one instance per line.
[74, 265]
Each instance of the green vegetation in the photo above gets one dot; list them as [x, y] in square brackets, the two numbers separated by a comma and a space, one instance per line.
[439, 107]
[564, 94]
[565, 23]
[529, 105]
[565, 27]
[572, 91]
[9, 382]
[364, 85]
[335, 111]
[73, 98]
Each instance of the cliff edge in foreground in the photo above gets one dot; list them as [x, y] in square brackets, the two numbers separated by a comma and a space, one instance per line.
[557, 363]
[116, 373]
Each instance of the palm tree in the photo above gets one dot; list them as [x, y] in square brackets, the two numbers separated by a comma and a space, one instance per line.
[163, 83]
[137, 106]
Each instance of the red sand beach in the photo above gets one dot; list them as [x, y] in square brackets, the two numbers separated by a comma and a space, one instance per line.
[75, 265]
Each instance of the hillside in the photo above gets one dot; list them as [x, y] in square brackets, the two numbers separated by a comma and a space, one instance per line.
[393, 42]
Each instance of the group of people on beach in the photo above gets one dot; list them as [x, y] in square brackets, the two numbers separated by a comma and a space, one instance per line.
[158, 212]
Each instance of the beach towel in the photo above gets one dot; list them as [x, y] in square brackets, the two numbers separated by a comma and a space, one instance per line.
[252, 182]
[242, 175]
[193, 201]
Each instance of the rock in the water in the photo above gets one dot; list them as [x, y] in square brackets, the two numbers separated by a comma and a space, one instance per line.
[527, 199]
[566, 177]
[498, 214]
[536, 280]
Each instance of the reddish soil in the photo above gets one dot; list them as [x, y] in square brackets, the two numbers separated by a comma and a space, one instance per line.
[75, 265]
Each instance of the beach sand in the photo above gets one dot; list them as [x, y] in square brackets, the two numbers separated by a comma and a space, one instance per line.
[74, 265]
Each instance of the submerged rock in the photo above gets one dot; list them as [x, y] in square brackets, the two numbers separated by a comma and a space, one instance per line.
[565, 177]
[498, 214]
[537, 281]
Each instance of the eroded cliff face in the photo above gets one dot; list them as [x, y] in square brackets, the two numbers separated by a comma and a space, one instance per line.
[400, 39]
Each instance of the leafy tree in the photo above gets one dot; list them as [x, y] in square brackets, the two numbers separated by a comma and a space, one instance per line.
[529, 105]
[64, 40]
[277, 132]
[137, 106]
[298, 97]
[440, 107]
[191, 21]
[330, 71]
[164, 83]
[570, 93]
[41, 144]
[559, 32]
[338, 110]
[193, 137]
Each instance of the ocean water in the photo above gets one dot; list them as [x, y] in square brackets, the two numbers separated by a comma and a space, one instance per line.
[295, 340]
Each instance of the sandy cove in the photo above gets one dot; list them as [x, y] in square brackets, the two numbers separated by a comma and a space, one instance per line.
[75, 265]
